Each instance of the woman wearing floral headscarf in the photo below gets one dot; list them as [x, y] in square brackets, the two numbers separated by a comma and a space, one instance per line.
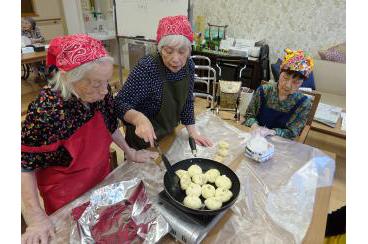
[280, 109]
[68, 131]
[158, 93]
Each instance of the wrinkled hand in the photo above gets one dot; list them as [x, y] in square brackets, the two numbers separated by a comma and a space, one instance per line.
[201, 140]
[140, 156]
[39, 231]
[261, 131]
[144, 130]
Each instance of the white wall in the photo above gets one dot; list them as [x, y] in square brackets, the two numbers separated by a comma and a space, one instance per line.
[73, 16]
[309, 25]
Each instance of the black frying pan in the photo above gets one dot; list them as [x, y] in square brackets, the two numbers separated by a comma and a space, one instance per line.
[177, 195]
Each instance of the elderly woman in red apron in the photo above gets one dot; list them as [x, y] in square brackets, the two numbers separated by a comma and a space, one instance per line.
[158, 93]
[280, 109]
[68, 131]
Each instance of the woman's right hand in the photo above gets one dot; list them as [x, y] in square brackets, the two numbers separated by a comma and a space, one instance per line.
[40, 230]
[144, 129]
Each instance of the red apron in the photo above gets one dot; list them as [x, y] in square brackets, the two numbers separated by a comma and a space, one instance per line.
[89, 147]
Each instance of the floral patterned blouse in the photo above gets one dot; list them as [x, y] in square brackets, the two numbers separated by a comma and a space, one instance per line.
[50, 119]
[296, 122]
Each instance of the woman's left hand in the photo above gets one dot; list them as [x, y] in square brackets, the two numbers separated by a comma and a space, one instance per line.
[201, 140]
[140, 156]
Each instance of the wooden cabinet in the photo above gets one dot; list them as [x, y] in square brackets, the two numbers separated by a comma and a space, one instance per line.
[28, 8]
[49, 19]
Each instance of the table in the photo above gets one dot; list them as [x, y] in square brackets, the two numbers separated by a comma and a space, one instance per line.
[316, 230]
[28, 58]
[336, 131]
[315, 233]
[335, 100]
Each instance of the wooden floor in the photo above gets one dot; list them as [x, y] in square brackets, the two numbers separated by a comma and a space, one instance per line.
[315, 139]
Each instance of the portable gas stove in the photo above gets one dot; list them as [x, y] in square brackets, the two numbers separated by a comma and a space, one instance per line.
[185, 227]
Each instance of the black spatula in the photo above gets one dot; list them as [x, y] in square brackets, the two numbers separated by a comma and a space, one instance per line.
[173, 178]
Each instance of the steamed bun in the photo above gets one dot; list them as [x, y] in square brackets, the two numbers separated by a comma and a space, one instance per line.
[208, 191]
[212, 174]
[223, 194]
[199, 179]
[192, 202]
[212, 203]
[185, 182]
[223, 145]
[223, 181]
[193, 190]
[180, 173]
[194, 170]
[222, 152]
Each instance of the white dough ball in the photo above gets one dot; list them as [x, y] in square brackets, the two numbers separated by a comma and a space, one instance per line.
[185, 181]
[212, 174]
[223, 145]
[223, 194]
[208, 191]
[222, 152]
[192, 202]
[218, 158]
[193, 190]
[199, 179]
[180, 173]
[223, 181]
[212, 203]
[194, 170]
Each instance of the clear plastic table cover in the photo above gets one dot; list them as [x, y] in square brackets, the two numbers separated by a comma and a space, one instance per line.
[117, 186]
[216, 130]
[276, 201]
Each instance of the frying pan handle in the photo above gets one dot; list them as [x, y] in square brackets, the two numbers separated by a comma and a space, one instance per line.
[164, 158]
[192, 145]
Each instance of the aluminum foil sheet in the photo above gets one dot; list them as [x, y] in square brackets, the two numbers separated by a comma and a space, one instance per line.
[215, 129]
[116, 213]
[115, 189]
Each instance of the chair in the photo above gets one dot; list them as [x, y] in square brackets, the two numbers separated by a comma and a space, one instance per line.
[204, 74]
[316, 97]
[26, 70]
[230, 69]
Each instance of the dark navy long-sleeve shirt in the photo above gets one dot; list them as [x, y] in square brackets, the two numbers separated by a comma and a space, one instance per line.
[143, 90]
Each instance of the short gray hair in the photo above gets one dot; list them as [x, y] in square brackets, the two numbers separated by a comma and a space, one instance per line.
[63, 83]
[174, 40]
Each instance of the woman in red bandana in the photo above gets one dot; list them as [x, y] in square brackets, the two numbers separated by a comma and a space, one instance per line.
[67, 133]
[158, 93]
